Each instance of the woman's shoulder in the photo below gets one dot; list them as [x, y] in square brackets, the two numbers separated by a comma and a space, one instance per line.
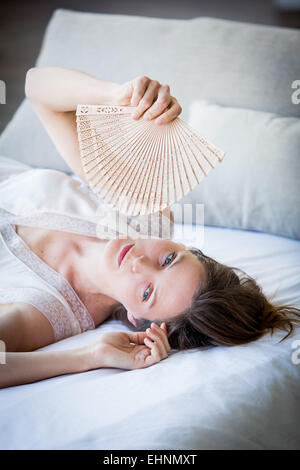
[36, 330]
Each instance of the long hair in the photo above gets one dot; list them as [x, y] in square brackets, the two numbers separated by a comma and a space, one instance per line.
[227, 310]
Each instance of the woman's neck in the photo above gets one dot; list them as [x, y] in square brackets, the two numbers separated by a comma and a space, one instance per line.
[82, 273]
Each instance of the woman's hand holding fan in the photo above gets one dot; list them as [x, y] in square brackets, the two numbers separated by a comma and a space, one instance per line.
[151, 99]
[137, 166]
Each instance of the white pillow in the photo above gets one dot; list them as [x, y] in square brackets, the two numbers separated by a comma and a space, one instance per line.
[257, 185]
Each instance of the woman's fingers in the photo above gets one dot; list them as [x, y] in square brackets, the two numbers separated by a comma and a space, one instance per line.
[140, 85]
[153, 100]
[173, 110]
[149, 96]
[155, 353]
[155, 336]
[136, 337]
[161, 104]
[156, 340]
[162, 332]
[160, 101]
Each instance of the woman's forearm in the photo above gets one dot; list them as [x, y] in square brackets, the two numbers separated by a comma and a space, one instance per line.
[27, 367]
[62, 89]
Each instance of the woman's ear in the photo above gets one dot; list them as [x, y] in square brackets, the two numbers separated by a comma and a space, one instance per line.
[131, 318]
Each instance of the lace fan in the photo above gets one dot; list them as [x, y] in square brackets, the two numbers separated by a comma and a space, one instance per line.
[136, 166]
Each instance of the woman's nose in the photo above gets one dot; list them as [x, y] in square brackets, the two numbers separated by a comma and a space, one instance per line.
[139, 263]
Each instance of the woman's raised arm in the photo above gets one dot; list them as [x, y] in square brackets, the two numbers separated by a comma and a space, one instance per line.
[62, 89]
[54, 93]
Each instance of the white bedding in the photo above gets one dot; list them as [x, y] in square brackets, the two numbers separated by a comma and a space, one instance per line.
[243, 397]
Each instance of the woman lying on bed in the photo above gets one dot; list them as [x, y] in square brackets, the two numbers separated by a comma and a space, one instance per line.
[170, 295]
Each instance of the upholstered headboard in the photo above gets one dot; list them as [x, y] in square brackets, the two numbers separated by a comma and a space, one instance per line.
[228, 62]
[234, 65]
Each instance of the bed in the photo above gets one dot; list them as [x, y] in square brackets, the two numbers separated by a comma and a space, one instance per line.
[244, 397]
[241, 397]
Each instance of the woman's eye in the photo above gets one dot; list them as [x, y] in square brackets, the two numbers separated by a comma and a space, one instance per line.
[147, 290]
[173, 255]
[168, 260]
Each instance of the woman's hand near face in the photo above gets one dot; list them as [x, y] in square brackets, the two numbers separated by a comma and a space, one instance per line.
[151, 99]
[114, 349]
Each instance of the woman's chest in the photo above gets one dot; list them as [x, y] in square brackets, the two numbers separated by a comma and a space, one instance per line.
[58, 249]
[51, 246]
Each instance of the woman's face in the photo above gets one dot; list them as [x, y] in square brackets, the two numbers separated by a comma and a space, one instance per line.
[156, 279]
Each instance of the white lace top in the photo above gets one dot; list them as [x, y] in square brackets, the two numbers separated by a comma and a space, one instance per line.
[52, 199]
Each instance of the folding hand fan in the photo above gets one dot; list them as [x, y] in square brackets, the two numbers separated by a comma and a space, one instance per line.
[136, 166]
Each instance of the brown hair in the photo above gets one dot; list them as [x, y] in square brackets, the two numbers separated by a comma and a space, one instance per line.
[225, 310]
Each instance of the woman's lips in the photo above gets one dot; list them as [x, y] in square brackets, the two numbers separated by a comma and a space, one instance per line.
[123, 253]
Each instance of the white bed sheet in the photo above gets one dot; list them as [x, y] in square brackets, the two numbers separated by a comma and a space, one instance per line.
[243, 397]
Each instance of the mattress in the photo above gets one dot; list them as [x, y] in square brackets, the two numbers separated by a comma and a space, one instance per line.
[241, 397]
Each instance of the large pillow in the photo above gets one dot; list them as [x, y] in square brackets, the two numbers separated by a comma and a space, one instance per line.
[257, 185]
